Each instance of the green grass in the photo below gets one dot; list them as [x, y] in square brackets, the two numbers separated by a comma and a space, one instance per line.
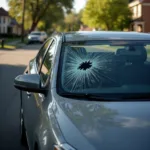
[8, 43]
[114, 48]
[25, 40]
[11, 47]
[148, 50]
[8, 40]
[103, 48]
[148, 47]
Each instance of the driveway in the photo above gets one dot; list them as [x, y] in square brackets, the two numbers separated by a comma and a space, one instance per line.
[12, 63]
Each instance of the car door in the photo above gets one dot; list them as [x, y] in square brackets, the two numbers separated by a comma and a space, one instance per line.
[35, 64]
[32, 102]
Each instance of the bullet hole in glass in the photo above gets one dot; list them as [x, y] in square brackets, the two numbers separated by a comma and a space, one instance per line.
[85, 65]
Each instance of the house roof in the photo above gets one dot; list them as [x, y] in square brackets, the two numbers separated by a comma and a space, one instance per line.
[13, 22]
[3, 12]
[85, 28]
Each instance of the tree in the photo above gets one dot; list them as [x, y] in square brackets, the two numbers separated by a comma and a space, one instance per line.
[107, 14]
[71, 22]
[36, 10]
[55, 14]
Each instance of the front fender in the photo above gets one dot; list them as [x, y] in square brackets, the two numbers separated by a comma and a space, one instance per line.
[48, 133]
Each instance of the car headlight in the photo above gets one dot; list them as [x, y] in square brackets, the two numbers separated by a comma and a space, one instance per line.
[64, 146]
[29, 37]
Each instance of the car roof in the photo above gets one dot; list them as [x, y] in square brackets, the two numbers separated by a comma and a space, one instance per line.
[104, 35]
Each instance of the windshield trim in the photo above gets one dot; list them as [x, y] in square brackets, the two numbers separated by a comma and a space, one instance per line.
[108, 97]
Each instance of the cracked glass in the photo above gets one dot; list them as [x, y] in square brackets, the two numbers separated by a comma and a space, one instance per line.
[105, 67]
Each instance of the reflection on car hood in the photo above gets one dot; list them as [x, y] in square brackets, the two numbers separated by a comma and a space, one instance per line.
[104, 125]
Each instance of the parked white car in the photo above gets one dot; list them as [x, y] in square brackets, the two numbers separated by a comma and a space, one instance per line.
[37, 36]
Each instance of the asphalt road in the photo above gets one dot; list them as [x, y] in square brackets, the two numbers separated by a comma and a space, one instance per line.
[12, 63]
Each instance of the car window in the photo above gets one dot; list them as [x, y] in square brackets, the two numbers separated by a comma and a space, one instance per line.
[41, 54]
[47, 64]
[105, 67]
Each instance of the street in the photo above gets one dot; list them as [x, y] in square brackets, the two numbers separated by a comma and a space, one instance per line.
[12, 63]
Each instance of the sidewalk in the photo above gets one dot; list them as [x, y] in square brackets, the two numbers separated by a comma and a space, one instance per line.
[20, 56]
[13, 45]
[17, 44]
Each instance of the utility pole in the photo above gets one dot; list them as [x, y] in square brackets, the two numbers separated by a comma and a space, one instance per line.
[23, 14]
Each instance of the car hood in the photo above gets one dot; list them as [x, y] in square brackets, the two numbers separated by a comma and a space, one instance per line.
[104, 125]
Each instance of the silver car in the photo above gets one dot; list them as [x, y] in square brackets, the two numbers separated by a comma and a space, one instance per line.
[87, 91]
[37, 36]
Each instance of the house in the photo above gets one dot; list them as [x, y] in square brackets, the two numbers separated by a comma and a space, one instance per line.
[141, 15]
[86, 28]
[8, 25]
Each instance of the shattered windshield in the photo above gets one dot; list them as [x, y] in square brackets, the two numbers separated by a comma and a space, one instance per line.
[105, 67]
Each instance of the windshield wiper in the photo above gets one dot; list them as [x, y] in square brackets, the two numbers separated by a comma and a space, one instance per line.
[88, 96]
[137, 97]
[98, 97]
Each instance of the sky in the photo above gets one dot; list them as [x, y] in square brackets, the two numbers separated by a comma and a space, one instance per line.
[79, 4]
[3, 4]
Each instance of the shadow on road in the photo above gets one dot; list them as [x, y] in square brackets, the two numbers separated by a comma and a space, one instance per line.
[9, 108]
[35, 46]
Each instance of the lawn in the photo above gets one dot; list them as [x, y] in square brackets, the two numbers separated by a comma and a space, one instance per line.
[8, 46]
[9, 40]
[98, 48]
[148, 50]
[102, 48]
[13, 43]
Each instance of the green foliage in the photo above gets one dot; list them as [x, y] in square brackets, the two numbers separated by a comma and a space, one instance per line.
[71, 22]
[107, 14]
[41, 25]
[56, 14]
[46, 11]
[15, 9]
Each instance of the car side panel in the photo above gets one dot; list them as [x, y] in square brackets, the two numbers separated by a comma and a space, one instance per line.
[37, 122]
[47, 130]
[30, 105]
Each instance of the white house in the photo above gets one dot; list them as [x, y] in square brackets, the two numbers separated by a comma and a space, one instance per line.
[8, 25]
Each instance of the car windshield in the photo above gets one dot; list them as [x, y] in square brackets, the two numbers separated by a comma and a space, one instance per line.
[36, 33]
[100, 67]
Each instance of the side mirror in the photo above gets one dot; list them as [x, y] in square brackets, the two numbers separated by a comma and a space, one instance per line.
[29, 82]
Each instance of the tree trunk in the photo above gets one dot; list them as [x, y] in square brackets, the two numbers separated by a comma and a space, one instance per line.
[107, 26]
[22, 28]
[35, 20]
[33, 26]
